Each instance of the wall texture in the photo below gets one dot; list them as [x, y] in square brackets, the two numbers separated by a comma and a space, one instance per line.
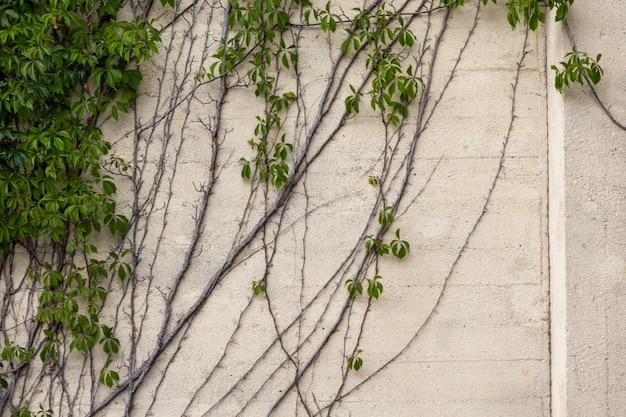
[509, 193]
[462, 325]
[587, 220]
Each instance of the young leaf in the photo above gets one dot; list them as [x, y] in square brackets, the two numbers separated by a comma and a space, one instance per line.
[385, 217]
[258, 287]
[245, 169]
[354, 361]
[374, 287]
[354, 287]
[399, 248]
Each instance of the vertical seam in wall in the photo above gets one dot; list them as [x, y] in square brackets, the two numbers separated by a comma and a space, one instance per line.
[556, 225]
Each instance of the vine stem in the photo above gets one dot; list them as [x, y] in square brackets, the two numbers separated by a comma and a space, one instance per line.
[594, 92]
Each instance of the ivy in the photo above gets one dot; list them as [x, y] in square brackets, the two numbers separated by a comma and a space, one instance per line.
[24, 411]
[385, 217]
[258, 287]
[258, 27]
[108, 376]
[62, 65]
[393, 87]
[577, 66]
[354, 287]
[355, 362]
[399, 247]
[65, 64]
[374, 287]
[530, 10]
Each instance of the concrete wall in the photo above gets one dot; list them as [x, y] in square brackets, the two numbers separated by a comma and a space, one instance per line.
[462, 327]
[587, 220]
[510, 194]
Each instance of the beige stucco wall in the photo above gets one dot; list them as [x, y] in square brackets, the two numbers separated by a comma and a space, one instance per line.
[510, 194]
[462, 326]
[587, 153]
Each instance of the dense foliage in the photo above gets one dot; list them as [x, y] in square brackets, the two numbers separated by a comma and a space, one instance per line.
[63, 65]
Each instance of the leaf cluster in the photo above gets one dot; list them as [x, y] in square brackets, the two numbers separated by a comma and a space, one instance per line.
[73, 301]
[531, 11]
[108, 376]
[257, 33]
[258, 287]
[270, 159]
[257, 39]
[392, 87]
[14, 356]
[355, 362]
[328, 20]
[398, 247]
[24, 411]
[63, 65]
[576, 66]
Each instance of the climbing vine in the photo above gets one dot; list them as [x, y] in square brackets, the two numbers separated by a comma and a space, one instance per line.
[64, 65]
[114, 249]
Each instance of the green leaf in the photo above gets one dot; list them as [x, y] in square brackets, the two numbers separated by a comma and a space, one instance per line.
[332, 25]
[108, 187]
[345, 46]
[399, 248]
[108, 377]
[374, 287]
[533, 23]
[110, 344]
[355, 362]
[577, 64]
[258, 287]
[114, 113]
[561, 12]
[283, 19]
[385, 217]
[354, 287]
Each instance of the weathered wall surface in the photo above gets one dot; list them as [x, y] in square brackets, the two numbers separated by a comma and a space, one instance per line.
[462, 325]
[587, 194]
[509, 194]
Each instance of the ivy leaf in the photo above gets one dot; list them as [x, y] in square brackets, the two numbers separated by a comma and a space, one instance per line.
[354, 287]
[561, 12]
[108, 187]
[374, 287]
[108, 377]
[245, 169]
[355, 362]
[385, 217]
[283, 19]
[533, 23]
[399, 248]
